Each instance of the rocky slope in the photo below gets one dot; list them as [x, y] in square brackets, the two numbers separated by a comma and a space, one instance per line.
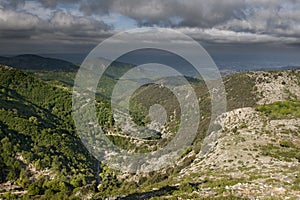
[260, 151]
[253, 154]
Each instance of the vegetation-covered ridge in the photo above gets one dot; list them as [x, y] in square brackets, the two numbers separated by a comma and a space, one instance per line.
[253, 147]
[40, 152]
[35, 62]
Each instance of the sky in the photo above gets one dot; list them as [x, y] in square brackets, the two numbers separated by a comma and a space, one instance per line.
[261, 29]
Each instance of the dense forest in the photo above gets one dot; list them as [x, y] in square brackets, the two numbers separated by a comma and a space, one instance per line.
[40, 150]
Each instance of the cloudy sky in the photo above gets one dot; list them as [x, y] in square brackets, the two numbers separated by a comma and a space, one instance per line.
[235, 27]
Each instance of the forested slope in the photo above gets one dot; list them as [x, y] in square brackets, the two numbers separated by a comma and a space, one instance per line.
[39, 151]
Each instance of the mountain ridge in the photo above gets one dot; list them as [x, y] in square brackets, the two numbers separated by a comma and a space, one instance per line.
[36, 62]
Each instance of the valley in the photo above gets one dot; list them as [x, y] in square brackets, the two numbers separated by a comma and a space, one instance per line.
[252, 153]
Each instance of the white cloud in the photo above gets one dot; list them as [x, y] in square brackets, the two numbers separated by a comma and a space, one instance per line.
[35, 8]
[11, 20]
[264, 18]
[88, 21]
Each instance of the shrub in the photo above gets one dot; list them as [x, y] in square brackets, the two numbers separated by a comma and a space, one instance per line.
[281, 109]
[296, 185]
[186, 187]
[34, 189]
[286, 143]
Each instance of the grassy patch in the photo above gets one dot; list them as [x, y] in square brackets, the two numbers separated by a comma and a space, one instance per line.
[220, 184]
[284, 151]
[281, 109]
[296, 185]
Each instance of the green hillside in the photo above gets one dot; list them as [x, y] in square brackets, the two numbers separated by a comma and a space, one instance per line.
[40, 151]
[41, 155]
[35, 62]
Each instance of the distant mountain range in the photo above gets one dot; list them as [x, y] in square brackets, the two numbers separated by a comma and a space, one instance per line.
[35, 62]
[46, 63]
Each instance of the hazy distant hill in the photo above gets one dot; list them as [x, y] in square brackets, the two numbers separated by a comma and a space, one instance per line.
[35, 62]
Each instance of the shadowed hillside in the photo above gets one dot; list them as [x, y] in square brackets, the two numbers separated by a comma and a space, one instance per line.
[35, 62]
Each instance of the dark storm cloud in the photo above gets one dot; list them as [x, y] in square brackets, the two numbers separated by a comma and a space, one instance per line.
[280, 18]
[193, 13]
[97, 7]
[53, 3]
[214, 21]
[60, 21]
[18, 21]
[12, 34]
[49, 3]
[11, 3]
[21, 30]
